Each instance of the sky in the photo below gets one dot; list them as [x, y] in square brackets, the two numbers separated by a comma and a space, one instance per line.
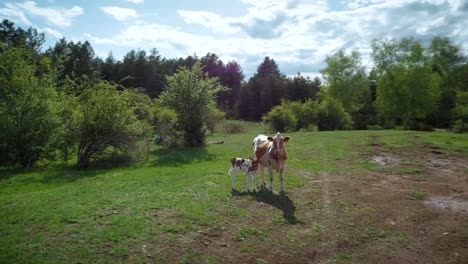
[297, 34]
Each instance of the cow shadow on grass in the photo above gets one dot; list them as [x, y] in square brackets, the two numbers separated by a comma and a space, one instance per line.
[280, 201]
[179, 156]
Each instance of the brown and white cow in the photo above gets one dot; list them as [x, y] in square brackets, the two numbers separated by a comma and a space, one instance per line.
[271, 153]
[249, 166]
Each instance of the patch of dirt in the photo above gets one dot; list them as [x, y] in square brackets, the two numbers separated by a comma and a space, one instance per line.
[449, 203]
[384, 159]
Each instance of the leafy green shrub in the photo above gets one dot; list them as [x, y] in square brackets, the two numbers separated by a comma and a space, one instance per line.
[332, 115]
[106, 119]
[29, 108]
[291, 116]
[232, 127]
[281, 118]
[460, 126]
[312, 128]
[166, 120]
[213, 117]
[374, 127]
[308, 116]
[190, 94]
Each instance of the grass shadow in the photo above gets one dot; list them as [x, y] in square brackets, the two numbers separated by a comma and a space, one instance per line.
[50, 174]
[280, 201]
[70, 174]
[179, 156]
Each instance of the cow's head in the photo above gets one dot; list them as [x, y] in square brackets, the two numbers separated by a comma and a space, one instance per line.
[254, 164]
[278, 143]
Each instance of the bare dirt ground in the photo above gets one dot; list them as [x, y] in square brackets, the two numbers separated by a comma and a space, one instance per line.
[412, 209]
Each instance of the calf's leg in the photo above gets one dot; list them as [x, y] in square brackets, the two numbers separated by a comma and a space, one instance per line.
[233, 179]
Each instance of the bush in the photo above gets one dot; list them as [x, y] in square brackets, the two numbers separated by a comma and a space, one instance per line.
[332, 115]
[213, 117]
[166, 120]
[460, 126]
[308, 115]
[106, 119]
[29, 108]
[374, 127]
[232, 127]
[190, 94]
[281, 118]
[291, 116]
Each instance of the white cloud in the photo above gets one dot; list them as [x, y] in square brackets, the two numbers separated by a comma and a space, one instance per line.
[298, 34]
[11, 12]
[60, 17]
[53, 32]
[120, 13]
[136, 1]
[209, 20]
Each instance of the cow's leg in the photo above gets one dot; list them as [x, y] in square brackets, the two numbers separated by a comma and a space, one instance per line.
[281, 176]
[254, 181]
[270, 171]
[261, 171]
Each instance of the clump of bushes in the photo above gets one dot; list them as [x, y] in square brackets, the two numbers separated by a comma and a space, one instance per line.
[329, 114]
[460, 126]
[232, 127]
[191, 96]
[460, 113]
[332, 115]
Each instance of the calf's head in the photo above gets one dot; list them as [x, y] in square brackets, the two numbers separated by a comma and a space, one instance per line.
[254, 162]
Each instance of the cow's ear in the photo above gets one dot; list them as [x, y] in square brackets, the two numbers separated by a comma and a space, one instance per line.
[270, 139]
[286, 139]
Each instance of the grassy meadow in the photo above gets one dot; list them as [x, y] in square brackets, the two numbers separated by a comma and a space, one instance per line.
[178, 207]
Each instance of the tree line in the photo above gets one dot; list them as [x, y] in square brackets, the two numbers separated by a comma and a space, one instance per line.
[66, 102]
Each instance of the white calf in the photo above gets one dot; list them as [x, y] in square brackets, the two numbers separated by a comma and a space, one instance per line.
[249, 166]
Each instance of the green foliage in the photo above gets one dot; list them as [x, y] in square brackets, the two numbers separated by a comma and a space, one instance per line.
[461, 108]
[281, 118]
[332, 115]
[106, 119]
[191, 95]
[460, 126]
[302, 89]
[28, 108]
[460, 113]
[166, 120]
[407, 88]
[292, 116]
[348, 83]
[232, 127]
[213, 117]
[346, 78]
[141, 105]
[11, 37]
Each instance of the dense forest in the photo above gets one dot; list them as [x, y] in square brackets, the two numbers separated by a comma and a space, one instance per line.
[65, 102]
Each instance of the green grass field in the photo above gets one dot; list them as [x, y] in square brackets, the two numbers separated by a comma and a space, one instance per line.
[178, 206]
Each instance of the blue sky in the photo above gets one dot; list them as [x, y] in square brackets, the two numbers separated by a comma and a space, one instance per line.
[298, 34]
